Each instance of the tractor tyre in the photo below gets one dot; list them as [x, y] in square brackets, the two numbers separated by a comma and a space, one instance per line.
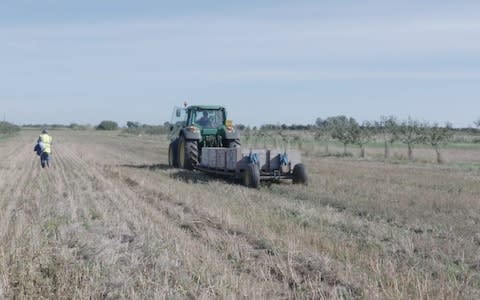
[251, 176]
[173, 154]
[234, 143]
[187, 153]
[300, 175]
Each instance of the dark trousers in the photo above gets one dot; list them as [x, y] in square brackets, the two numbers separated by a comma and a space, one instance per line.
[45, 160]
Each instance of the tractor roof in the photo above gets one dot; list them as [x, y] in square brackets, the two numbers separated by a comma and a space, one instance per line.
[204, 107]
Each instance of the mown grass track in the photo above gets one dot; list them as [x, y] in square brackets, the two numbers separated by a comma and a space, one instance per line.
[111, 220]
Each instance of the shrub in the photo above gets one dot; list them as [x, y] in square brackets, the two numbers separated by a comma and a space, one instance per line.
[146, 129]
[107, 125]
[8, 128]
[75, 126]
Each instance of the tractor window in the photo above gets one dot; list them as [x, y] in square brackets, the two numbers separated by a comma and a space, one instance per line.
[179, 116]
[218, 118]
[209, 118]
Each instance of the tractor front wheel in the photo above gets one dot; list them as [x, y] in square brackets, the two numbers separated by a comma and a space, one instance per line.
[187, 153]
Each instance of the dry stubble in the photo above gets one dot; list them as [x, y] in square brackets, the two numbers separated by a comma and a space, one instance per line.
[111, 220]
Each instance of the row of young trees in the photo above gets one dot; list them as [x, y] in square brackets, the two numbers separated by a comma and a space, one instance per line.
[388, 129]
[138, 128]
[410, 132]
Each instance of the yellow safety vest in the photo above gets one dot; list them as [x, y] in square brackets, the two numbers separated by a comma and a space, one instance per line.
[47, 142]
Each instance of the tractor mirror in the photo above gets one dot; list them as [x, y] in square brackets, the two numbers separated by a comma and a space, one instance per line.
[178, 113]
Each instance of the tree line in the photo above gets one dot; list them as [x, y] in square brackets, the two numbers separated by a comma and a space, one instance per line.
[346, 130]
[388, 129]
[8, 128]
[410, 132]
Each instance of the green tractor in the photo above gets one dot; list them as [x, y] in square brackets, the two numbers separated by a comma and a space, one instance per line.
[195, 127]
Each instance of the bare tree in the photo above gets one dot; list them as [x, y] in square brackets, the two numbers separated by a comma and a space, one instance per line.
[438, 137]
[412, 132]
[388, 129]
[342, 129]
[362, 135]
[323, 135]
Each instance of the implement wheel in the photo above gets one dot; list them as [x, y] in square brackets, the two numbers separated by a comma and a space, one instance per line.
[300, 175]
[187, 153]
[251, 176]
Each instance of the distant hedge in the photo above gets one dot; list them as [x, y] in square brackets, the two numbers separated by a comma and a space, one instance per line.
[138, 128]
[76, 126]
[8, 128]
[107, 125]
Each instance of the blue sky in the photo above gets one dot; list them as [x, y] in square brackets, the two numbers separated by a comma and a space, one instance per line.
[266, 61]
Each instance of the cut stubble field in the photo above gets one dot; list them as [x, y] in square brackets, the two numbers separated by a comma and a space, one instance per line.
[110, 219]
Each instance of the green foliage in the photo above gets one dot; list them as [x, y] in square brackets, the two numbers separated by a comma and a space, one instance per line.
[320, 123]
[343, 129]
[131, 124]
[107, 125]
[136, 128]
[363, 134]
[41, 126]
[270, 127]
[388, 127]
[412, 132]
[347, 131]
[8, 128]
[439, 135]
[75, 126]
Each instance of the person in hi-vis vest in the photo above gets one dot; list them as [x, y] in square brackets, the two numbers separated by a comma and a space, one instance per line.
[45, 144]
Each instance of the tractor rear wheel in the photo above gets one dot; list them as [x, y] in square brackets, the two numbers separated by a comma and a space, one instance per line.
[251, 176]
[300, 174]
[187, 153]
[173, 154]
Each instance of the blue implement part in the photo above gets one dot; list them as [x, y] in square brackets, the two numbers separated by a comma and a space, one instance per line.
[253, 158]
[284, 159]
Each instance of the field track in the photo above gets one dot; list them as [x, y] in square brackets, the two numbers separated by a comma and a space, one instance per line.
[111, 220]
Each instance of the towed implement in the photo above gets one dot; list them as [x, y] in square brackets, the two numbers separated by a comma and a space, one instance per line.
[253, 166]
[201, 138]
